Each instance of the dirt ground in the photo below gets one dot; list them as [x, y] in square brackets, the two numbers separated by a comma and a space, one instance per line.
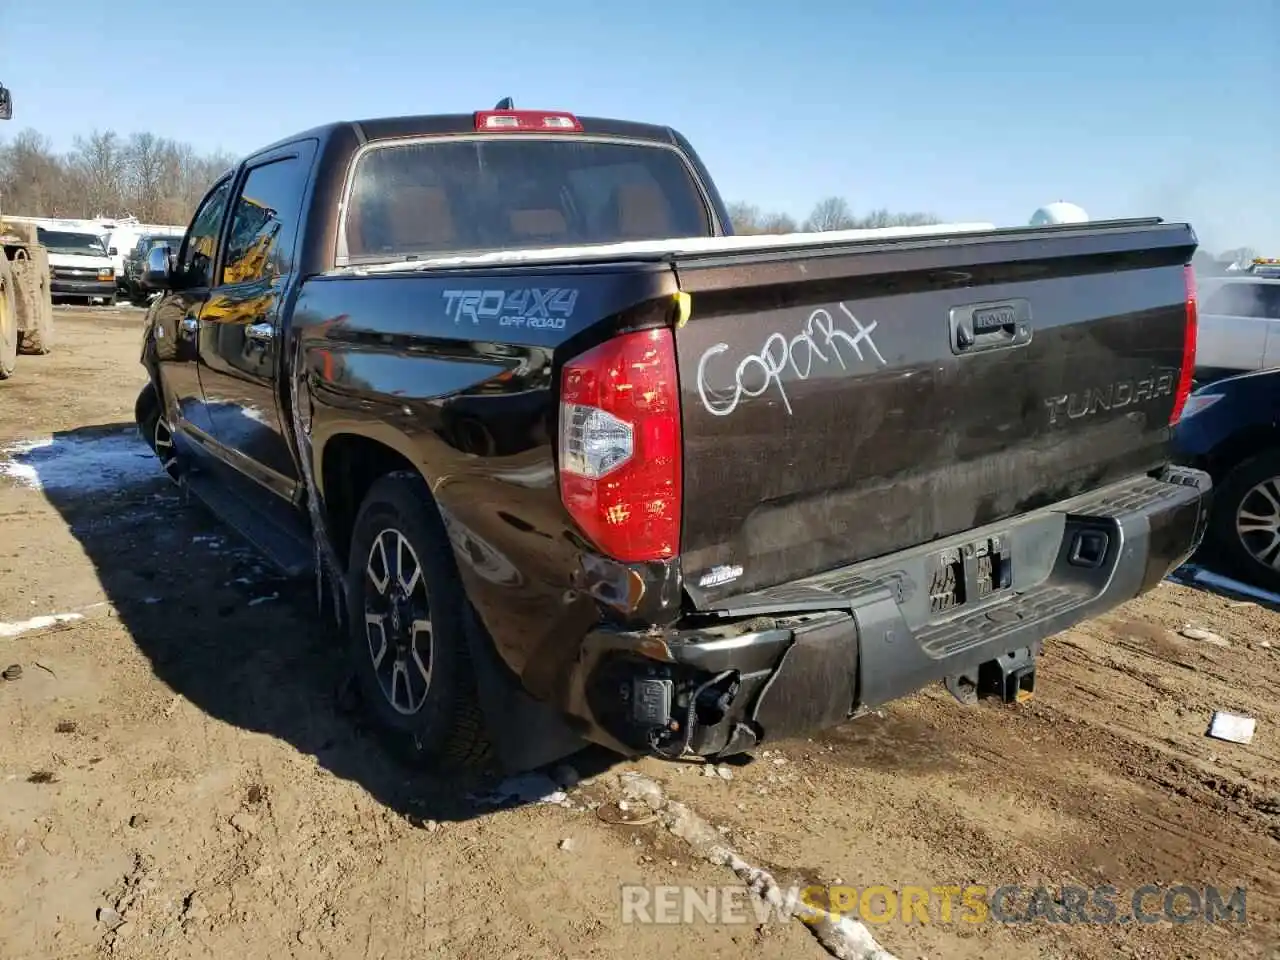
[180, 775]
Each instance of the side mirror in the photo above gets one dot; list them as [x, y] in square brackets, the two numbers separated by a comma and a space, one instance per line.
[113, 252]
[159, 272]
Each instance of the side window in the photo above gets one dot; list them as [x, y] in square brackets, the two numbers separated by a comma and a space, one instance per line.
[265, 223]
[196, 265]
[1237, 300]
[1271, 300]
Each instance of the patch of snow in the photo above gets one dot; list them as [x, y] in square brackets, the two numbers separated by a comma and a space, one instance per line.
[101, 463]
[1199, 576]
[843, 937]
[8, 630]
[525, 788]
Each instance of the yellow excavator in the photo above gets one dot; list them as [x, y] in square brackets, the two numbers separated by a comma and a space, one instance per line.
[26, 305]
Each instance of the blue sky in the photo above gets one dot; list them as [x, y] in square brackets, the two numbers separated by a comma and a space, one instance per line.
[975, 111]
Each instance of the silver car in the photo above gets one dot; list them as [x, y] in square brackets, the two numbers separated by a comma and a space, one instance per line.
[1239, 326]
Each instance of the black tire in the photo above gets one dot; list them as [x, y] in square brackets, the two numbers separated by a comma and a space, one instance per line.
[447, 726]
[32, 276]
[1238, 491]
[148, 413]
[9, 335]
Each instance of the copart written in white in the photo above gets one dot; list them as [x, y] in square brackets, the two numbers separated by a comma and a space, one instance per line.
[822, 341]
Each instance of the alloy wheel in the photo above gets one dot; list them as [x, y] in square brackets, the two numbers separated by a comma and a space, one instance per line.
[1258, 522]
[162, 442]
[397, 617]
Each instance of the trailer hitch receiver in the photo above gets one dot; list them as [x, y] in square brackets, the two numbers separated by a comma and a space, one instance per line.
[1010, 678]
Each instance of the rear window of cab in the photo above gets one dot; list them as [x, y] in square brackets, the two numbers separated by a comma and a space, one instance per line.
[481, 194]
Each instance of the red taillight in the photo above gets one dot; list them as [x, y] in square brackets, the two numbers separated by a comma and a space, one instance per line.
[526, 121]
[620, 445]
[1188, 348]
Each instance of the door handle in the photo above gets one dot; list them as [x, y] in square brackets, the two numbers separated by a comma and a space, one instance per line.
[979, 327]
[260, 332]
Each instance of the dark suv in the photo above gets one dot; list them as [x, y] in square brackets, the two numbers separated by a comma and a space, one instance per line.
[135, 262]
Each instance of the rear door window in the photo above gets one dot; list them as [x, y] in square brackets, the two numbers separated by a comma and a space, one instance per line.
[264, 225]
[484, 194]
[1271, 300]
[1237, 300]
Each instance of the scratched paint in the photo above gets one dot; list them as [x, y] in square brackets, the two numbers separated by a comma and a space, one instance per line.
[822, 341]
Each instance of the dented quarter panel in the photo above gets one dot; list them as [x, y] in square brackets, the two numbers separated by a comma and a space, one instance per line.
[468, 400]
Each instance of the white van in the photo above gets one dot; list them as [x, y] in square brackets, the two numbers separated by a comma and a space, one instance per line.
[79, 267]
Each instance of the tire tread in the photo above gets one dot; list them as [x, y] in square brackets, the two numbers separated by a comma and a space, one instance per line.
[465, 741]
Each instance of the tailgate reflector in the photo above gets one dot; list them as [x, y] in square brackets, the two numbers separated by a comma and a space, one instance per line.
[1188, 347]
[620, 445]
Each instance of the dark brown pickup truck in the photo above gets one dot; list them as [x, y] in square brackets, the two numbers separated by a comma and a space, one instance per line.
[579, 464]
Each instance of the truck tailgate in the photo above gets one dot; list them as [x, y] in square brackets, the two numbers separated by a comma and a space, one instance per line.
[849, 402]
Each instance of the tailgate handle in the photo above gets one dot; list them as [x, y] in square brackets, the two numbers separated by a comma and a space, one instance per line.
[979, 327]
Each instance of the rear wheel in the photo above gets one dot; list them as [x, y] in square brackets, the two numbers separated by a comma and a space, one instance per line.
[407, 635]
[155, 430]
[1246, 520]
[8, 320]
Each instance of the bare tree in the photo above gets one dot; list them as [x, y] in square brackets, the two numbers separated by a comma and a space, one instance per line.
[145, 164]
[744, 216]
[154, 179]
[833, 213]
[748, 219]
[883, 218]
[777, 223]
[32, 176]
[1239, 256]
[97, 166]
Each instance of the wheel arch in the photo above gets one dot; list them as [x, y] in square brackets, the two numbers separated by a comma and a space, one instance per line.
[147, 402]
[349, 463]
[1241, 446]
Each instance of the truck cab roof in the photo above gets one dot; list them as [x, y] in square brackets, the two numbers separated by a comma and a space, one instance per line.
[446, 124]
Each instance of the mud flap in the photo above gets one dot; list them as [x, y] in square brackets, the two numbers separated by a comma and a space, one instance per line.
[525, 732]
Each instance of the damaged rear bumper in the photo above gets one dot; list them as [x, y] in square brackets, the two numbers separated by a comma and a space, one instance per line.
[972, 610]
